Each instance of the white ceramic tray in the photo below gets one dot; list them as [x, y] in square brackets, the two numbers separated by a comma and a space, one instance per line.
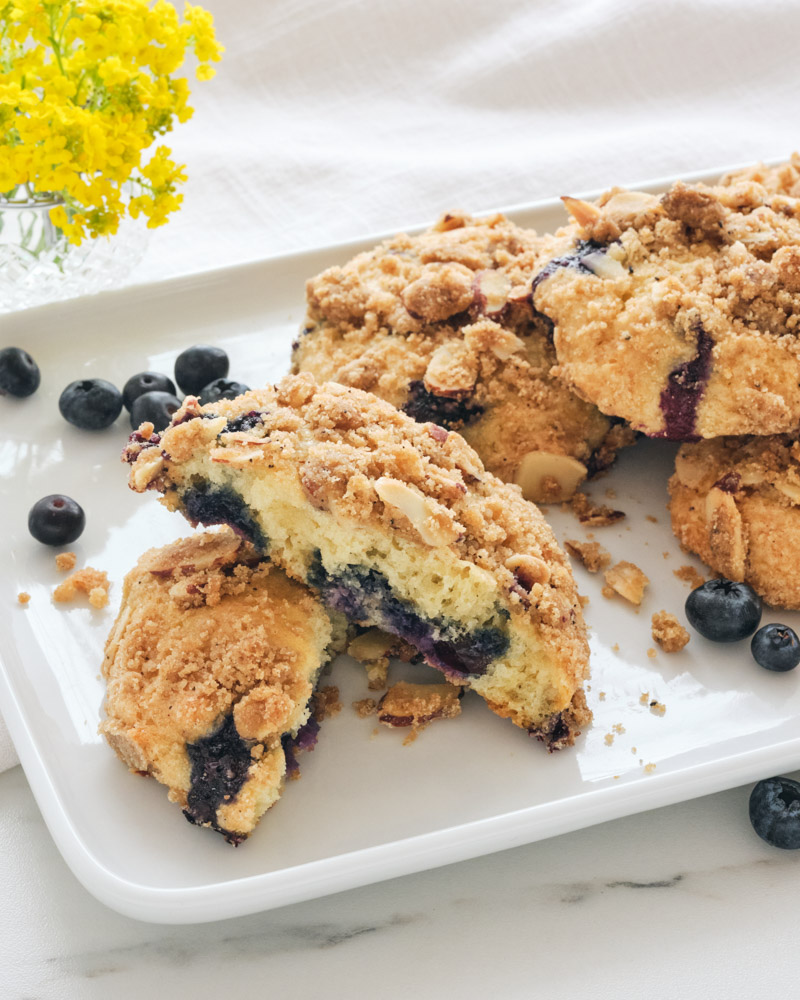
[367, 807]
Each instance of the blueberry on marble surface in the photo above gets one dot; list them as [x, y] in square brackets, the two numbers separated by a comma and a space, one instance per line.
[155, 407]
[19, 373]
[775, 812]
[724, 610]
[137, 385]
[221, 388]
[199, 365]
[56, 520]
[90, 403]
[776, 647]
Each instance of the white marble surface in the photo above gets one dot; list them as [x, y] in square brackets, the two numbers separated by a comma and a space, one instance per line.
[316, 130]
[683, 902]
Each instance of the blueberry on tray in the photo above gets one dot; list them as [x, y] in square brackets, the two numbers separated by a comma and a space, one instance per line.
[723, 610]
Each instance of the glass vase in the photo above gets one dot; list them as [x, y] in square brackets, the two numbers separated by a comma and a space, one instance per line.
[39, 265]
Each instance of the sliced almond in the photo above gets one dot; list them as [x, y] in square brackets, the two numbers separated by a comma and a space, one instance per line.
[440, 292]
[545, 477]
[492, 289]
[452, 370]
[432, 522]
[603, 265]
[725, 534]
[371, 645]
[583, 212]
[790, 490]
[528, 569]
[627, 580]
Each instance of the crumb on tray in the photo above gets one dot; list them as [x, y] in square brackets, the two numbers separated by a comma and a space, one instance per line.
[627, 580]
[668, 632]
[416, 705]
[66, 561]
[326, 703]
[92, 582]
[591, 554]
[690, 575]
[596, 515]
[23, 597]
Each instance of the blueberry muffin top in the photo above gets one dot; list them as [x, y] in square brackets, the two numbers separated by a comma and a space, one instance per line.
[680, 313]
[441, 325]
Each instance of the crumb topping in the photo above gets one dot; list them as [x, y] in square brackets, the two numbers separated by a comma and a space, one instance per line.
[66, 560]
[668, 632]
[591, 554]
[23, 597]
[92, 582]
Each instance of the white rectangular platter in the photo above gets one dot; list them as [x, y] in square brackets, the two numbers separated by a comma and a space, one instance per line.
[367, 806]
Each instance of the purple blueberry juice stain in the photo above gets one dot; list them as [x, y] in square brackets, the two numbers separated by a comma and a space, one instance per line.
[304, 739]
[207, 504]
[685, 387]
[424, 406]
[573, 260]
[220, 763]
[364, 596]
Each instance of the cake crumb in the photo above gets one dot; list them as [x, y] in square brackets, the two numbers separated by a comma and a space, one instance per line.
[665, 555]
[584, 600]
[633, 750]
[92, 582]
[602, 696]
[609, 739]
[596, 515]
[98, 597]
[668, 632]
[652, 653]
[23, 597]
[649, 768]
[615, 647]
[66, 560]
[417, 705]
[657, 708]
[365, 707]
[611, 493]
[644, 698]
[618, 728]
[651, 519]
[411, 735]
[627, 580]
[326, 703]
[591, 554]
[690, 575]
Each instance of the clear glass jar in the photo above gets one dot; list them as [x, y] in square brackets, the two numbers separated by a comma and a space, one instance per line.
[39, 265]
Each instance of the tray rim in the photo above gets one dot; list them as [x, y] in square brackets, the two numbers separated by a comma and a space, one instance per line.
[352, 869]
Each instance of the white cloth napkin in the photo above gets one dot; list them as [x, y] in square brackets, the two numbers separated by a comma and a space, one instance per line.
[329, 121]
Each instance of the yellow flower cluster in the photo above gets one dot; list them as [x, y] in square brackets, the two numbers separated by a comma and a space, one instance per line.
[86, 86]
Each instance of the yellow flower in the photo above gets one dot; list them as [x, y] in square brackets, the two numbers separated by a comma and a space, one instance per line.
[86, 86]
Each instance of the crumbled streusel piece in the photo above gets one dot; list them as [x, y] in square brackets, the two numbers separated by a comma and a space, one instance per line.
[596, 515]
[66, 561]
[24, 597]
[92, 582]
[365, 707]
[592, 554]
[688, 574]
[668, 632]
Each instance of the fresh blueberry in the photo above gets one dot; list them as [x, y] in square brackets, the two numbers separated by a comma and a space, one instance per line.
[155, 407]
[144, 382]
[197, 366]
[221, 388]
[90, 403]
[775, 812]
[19, 373]
[56, 520]
[724, 611]
[776, 647]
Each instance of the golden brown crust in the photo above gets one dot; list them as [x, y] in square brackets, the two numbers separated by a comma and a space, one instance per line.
[441, 324]
[682, 317]
[735, 502]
